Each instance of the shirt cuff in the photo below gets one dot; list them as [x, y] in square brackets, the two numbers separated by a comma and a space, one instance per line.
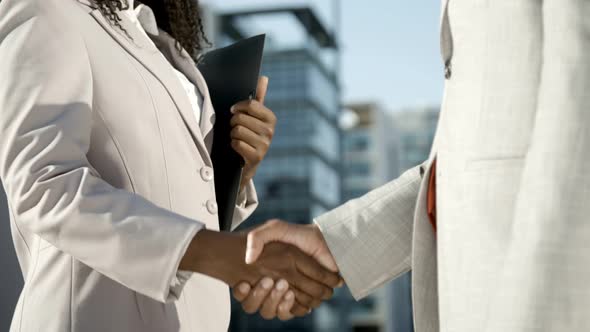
[181, 277]
[178, 282]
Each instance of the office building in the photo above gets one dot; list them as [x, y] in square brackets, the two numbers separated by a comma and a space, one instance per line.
[370, 159]
[369, 155]
[300, 177]
[378, 147]
[415, 128]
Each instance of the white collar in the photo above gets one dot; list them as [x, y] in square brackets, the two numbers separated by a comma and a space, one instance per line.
[143, 16]
[131, 12]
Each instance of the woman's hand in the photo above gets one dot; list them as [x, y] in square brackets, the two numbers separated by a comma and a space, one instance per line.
[274, 303]
[271, 302]
[253, 127]
[221, 256]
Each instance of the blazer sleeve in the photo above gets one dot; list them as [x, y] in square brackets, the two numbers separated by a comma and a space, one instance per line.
[545, 275]
[54, 192]
[371, 237]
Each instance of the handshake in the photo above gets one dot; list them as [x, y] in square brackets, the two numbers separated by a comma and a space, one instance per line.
[281, 270]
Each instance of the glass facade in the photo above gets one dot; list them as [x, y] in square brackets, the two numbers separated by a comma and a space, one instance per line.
[357, 163]
[368, 145]
[300, 177]
[416, 129]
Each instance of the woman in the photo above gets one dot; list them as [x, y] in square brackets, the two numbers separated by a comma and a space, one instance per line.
[106, 128]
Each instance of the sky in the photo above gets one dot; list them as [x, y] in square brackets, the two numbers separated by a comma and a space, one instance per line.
[390, 48]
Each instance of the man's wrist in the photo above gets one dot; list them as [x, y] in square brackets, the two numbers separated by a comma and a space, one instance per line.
[317, 231]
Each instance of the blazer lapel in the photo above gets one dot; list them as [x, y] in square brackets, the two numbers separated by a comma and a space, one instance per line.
[208, 118]
[144, 51]
[185, 64]
[86, 2]
[446, 39]
[424, 264]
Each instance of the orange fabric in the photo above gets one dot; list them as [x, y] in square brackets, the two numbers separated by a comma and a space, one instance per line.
[431, 200]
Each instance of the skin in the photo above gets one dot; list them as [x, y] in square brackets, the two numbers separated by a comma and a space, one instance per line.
[266, 299]
[307, 238]
[253, 127]
[224, 260]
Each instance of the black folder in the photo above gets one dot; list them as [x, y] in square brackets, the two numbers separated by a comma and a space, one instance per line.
[232, 75]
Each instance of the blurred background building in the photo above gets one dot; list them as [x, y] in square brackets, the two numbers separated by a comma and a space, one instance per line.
[416, 128]
[379, 145]
[371, 155]
[301, 175]
[370, 159]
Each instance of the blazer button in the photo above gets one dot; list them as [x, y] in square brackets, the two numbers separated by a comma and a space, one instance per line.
[207, 174]
[211, 207]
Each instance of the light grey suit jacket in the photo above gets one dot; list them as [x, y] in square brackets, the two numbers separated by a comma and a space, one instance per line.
[512, 246]
[107, 173]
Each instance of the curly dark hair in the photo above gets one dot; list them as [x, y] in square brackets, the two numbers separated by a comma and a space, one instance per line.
[180, 18]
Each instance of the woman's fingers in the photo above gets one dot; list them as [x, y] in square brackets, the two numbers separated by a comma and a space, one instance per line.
[257, 296]
[285, 307]
[270, 306]
[251, 138]
[241, 291]
[261, 89]
[246, 135]
[248, 152]
[278, 302]
[259, 127]
[255, 109]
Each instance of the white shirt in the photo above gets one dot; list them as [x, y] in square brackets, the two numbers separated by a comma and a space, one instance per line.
[194, 95]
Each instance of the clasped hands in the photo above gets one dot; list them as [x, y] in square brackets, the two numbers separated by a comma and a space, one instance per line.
[295, 256]
[278, 296]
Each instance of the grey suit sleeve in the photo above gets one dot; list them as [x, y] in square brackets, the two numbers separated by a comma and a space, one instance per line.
[544, 283]
[371, 237]
[54, 192]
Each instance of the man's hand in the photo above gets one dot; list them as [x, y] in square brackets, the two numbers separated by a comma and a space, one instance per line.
[308, 238]
[310, 282]
[221, 256]
[253, 127]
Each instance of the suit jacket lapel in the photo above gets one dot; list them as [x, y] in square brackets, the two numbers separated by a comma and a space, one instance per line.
[208, 118]
[149, 56]
[185, 64]
[424, 264]
[446, 39]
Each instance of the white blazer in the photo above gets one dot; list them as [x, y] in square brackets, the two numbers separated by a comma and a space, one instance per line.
[107, 173]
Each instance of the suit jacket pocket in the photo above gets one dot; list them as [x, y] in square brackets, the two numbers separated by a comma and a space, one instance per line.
[483, 165]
